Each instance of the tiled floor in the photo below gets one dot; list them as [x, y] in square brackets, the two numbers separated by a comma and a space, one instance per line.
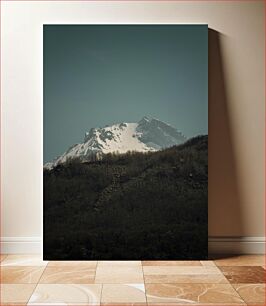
[27, 280]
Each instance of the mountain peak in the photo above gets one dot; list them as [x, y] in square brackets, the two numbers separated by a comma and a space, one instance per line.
[149, 134]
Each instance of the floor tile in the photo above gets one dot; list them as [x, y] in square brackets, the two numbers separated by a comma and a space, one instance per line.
[123, 293]
[251, 293]
[171, 263]
[119, 263]
[13, 304]
[2, 256]
[68, 275]
[185, 279]
[128, 304]
[66, 294]
[208, 263]
[23, 260]
[118, 275]
[183, 274]
[74, 263]
[248, 274]
[192, 293]
[21, 275]
[16, 293]
[155, 270]
[195, 304]
[242, 260]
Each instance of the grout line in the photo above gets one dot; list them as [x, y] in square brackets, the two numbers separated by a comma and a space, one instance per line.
[144, 282]
[101, 294]
[98, 284]
[37, 284]
[237, 293]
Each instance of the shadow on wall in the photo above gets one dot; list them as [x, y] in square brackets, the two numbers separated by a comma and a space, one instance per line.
[225, 218]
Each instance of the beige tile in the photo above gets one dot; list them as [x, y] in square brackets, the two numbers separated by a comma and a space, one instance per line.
[183, 274]
[186, 279]
[74, 263]
[251, 293]
[127, 304]
[68, 275]
[23, 260]
[21, 275]
[208, 263]
[180, 270]
[123, 293]
[195, 304]
[119, 263]
[16, 293]
[2, 257]
[171, 263]
[192, 293]
[66, 294]
[242, 260]
[119, 274]
[14, 304]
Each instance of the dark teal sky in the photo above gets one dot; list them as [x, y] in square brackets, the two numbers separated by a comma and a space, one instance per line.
[96, 75]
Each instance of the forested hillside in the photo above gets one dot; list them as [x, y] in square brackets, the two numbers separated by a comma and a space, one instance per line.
[129, 206]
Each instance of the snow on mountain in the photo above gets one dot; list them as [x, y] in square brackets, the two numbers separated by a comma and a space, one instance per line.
[149, 134]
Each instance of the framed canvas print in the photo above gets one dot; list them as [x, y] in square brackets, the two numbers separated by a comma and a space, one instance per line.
[125, 142]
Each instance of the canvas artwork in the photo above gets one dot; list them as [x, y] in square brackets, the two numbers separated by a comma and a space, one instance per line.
[125, 169]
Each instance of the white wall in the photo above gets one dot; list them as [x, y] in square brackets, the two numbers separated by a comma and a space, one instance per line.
[236, 116]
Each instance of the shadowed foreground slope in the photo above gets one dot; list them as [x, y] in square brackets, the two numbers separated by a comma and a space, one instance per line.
[129, 206]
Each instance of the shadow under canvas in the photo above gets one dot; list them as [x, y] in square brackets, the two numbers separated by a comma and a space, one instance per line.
[224, 209]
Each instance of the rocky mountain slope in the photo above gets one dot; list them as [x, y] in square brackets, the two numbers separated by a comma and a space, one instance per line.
[147, 135]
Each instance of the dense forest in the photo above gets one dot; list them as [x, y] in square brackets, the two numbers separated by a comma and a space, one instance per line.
[129, 206]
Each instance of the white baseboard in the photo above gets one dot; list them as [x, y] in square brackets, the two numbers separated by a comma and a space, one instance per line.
[21, 245]
[217, 245]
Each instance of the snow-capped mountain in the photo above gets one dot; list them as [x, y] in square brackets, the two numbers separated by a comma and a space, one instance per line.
[149, 134]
